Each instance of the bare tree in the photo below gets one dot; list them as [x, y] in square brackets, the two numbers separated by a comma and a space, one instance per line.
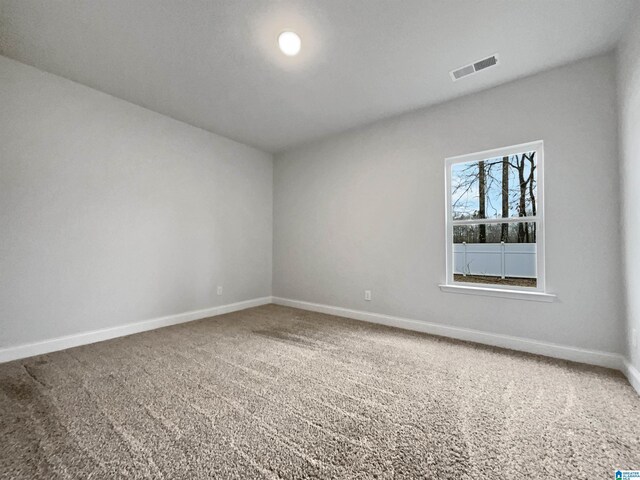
[482, 198]
[504, 235]
[523, 183]
[491, 176]
[478, 174]
[532, 197]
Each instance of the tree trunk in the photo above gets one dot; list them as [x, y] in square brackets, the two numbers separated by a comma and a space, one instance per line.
[504, 234]
[523, 230]
[482, 194]
[532, 197]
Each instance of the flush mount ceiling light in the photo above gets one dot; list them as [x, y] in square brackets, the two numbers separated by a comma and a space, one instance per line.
[289, 43]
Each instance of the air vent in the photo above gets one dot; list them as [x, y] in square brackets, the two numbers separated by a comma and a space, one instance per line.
[473, 68]
[486, 63]
[463, 72]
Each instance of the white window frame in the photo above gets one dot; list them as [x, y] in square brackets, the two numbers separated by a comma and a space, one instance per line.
[526, 293]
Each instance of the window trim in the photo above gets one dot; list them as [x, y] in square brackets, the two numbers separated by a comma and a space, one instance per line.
[529, 293]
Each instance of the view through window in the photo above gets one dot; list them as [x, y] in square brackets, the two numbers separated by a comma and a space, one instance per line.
[495, 218]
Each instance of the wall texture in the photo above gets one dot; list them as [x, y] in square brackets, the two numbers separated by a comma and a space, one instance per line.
[629, 108]
[365, 210]
[111, 214]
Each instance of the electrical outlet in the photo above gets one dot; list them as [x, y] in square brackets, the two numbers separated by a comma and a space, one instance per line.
[367, 295]
[634, 338]
[219, 290]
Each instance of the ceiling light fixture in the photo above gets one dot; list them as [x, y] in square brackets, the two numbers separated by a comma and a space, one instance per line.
[289, 43]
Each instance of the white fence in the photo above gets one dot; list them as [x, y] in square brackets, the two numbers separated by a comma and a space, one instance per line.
[495, 259]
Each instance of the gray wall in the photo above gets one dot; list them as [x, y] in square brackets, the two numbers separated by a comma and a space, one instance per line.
[629, 100]
[112, 214]
[365, 210]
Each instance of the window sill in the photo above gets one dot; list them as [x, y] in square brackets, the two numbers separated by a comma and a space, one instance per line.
[499, 292]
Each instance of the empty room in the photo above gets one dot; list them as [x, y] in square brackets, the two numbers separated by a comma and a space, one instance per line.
[329, 239]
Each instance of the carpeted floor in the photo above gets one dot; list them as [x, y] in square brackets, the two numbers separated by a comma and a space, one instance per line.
[274, 392]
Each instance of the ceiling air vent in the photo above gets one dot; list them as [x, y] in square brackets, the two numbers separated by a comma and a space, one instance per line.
[463, 72]
[472, 68]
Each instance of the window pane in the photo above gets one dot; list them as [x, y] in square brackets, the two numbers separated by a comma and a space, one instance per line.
[495, 188]
[479, 256]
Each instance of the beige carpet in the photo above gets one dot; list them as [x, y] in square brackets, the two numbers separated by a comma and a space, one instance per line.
[275, 392]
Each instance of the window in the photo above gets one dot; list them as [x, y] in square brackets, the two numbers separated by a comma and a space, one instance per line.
[495, 222]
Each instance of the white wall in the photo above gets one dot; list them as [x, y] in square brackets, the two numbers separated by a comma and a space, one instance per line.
[365, 210]
[629, 107]
[111, 214]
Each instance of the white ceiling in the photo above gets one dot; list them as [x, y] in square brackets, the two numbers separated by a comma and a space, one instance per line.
[215, 63]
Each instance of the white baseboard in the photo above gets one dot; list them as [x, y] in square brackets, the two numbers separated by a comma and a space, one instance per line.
[61, 343]
[592, 357]
[632, 374]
